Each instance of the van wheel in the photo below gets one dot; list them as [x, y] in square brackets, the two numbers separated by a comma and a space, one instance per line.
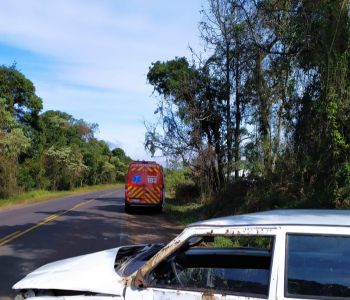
[159, 209]
[127, 208]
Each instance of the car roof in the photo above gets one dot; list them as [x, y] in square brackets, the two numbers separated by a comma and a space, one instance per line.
[320, 217]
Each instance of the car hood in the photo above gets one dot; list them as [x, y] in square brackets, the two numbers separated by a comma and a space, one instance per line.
[88, 273]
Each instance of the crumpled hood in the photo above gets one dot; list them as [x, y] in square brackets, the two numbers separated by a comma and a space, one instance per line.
[91, 273]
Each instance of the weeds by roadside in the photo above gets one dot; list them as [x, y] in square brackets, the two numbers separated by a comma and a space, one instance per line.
[184, 213]
[43, 195]
[188, 206]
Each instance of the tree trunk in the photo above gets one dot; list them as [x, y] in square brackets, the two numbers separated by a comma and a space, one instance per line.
[264, 115]
[238, 116]
[279, 122]
[228, 113]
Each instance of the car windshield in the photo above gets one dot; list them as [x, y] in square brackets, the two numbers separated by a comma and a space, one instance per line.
[130, 259]
[237, 265]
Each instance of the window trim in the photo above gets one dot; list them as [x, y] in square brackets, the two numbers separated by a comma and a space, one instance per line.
[226, 292]
[285, 287]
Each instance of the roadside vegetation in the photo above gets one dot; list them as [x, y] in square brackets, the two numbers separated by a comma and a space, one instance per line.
[48, 151]
[187, 204]
[260, 117]
[36, 196]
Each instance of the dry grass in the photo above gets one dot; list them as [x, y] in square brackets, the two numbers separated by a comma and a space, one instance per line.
[42, 195]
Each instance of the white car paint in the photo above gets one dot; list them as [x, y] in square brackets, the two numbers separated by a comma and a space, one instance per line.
[95, 272]
[292, 217]
[91, 273]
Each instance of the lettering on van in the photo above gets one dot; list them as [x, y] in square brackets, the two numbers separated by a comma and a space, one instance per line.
[152, 179]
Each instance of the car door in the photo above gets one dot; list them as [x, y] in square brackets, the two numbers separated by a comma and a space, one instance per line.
[155, 293]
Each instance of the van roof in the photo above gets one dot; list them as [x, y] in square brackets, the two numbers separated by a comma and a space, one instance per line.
[320, 217]
[143, 162]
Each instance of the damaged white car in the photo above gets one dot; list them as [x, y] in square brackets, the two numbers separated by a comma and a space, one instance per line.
[282, 254]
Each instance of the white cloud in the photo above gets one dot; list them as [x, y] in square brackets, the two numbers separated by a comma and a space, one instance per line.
[99, 53]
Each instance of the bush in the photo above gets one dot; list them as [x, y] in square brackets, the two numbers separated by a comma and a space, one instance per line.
[187, 192]
[228, 201]
[174, 178]
[8, 182]
[25, 180]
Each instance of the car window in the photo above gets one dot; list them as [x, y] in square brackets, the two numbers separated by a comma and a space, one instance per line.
[232, 265]
[317, 266]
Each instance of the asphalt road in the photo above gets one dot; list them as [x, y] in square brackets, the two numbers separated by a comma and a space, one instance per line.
[34, 235]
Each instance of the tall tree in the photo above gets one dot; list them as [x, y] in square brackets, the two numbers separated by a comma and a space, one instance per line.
[190, 110]
[217, 32]
[12, 143]
[19, 95]
[322, 124]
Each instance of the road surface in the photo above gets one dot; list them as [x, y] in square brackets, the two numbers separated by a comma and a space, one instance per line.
[34, 235]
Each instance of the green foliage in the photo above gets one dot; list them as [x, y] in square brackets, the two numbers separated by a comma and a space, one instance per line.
[19, 95]
[342, 190]
[107, 172]
[260, 242]
[174, 178]
[12, 138]
[51, 150]
[185, 212]
[13, 142]
[25, 178]
[280, 70]
[179, 184]
[121, 163]
[64, 167]
[190, 111]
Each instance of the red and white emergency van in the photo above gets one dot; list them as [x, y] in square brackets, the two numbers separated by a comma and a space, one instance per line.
[144, 185]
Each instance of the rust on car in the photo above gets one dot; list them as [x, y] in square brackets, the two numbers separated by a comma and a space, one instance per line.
[208, 295]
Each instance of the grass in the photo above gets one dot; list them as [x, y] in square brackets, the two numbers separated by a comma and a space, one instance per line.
[189, 212]
[43, 195]
[187, 206]
[184, 212]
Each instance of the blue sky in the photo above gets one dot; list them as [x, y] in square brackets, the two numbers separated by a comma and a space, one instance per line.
[90, 57]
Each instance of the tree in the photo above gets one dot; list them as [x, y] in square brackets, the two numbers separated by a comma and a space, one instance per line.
[12, 143]
[19, 95]
[217, 31]
[190, 110]
[64, 167]
[51, 150]
[273, 90]
[224, 31]
[121, 162]
[322, 130]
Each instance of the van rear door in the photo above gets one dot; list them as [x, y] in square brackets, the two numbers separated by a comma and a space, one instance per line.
[135, 183]
[154, 184]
